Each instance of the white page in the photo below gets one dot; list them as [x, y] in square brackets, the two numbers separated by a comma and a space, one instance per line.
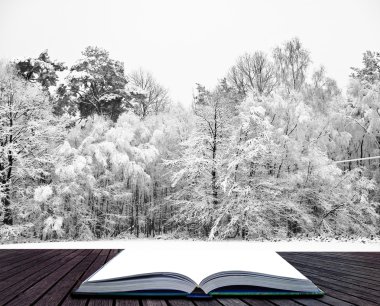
[196, 260]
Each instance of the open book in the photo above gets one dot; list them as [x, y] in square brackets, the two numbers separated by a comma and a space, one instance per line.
[201, 271]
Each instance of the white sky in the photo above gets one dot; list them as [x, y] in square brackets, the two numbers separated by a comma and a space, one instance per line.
[185, 42]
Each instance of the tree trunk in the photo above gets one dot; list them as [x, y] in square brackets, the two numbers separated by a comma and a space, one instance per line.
[137, 220]
[6, 181]
[8, 219]
[132, 220]
[279, 169]
[213, 171]
[361, 151]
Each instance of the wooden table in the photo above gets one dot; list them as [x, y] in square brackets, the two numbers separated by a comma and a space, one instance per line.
[47, 277]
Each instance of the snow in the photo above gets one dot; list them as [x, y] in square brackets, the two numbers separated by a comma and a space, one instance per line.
[259, 110]
[66, 150]
[79, 75]
[42, 193]
[157, 137]
[147, 244]
[135, 90]
[52, 225]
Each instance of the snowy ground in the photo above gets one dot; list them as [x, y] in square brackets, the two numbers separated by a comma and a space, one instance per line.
[146, 244]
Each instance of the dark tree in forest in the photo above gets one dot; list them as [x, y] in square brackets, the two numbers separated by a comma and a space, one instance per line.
[42, 69]
[96, 85]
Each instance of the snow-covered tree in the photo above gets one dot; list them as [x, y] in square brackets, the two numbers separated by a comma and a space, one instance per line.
[244, 181]
[42, 70]
[102, 184]
[255, 158]
[28, 135]
[362, 109]
[291, 62]
[95, 85]
[370, 73]
[322, 91]
[155, 99]
[253, 73]
[197, 173]
[168, 129]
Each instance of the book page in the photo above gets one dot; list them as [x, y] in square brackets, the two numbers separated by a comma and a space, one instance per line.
[196, 260]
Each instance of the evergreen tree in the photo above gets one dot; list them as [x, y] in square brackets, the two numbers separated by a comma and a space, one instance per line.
[96, 85]
[42, 70]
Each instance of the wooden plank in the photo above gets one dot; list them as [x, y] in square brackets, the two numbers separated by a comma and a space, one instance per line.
[360, 281]
[22, 266]
[100, 302]
[342, 296]
[231, 302]
[357, 256]
[127, 302]
[365, 257]
[368, 274]
[332, 259]
[357, 281]
[332, 266]
[112, 254]
[6, 253]
[327, 300]
[61, 289]
[257, 302]
[180, 302]
[283, 302]
[351, 260]
[103, 301]
[374, 268]
[341, 285]
[153, 302]
[16, 258]
[337, 277]
[99, 261]
[12, 287]
[310, 301]
[207, 302]
[362, 292]
[37, 290]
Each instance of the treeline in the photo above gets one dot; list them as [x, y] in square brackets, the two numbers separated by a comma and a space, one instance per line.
[105, 153]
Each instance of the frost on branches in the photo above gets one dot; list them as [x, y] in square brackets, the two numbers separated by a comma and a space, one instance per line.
[101, 181]
[29, 134]
[104, 154]
[95, 85]
[198, 170]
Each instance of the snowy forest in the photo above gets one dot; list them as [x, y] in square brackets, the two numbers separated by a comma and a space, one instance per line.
[95, 151]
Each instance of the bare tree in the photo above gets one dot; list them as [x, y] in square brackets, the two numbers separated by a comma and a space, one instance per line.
[156, 98]
[253, 72]
[292, 61]
[236, 79]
